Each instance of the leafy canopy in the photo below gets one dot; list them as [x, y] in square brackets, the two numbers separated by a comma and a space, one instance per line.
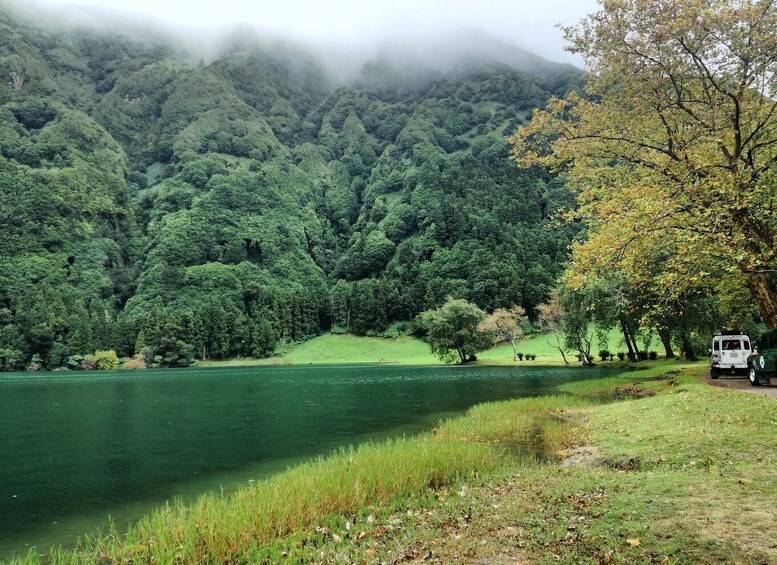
[673, 150]
[453, 330]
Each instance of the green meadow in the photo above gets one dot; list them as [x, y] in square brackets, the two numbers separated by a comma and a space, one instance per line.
[404, 350]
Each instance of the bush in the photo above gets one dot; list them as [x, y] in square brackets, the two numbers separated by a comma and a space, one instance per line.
[398, 329]
[75, 362]
[653, 355]
[89, 363]
[520, 356]
[338, 330]
[148, 354]
[604, 355]
[11, 359]
[136, 362]
[643, 355]
[35, 364]
[106, 360]
[621, 355]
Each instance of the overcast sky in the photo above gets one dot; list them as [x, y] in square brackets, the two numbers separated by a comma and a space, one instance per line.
[526, 23]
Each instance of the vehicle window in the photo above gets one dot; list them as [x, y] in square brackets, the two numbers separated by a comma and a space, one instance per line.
[732, 345]
[716, 346]
[746, 345]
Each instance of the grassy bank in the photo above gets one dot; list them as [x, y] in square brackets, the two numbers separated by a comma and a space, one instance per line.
[405, 350]
[656, 470]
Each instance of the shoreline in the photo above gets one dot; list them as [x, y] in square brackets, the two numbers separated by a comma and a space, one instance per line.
[648, 469]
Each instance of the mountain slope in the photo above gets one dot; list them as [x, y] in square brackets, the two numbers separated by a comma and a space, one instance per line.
[152, 203]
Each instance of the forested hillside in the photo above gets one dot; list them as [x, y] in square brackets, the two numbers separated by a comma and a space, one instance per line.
[152, 201]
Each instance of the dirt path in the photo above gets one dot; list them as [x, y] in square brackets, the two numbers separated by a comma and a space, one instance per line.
[743, 384]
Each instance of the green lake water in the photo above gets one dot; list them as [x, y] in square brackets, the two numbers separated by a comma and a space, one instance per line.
[78, 447]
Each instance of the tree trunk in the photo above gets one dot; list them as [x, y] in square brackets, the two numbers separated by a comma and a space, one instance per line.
[515, 351]
[764, 290]
[560, 350]
[589, 360]
[627, 339]
[688, 351]
[666, 339]
[634, 344]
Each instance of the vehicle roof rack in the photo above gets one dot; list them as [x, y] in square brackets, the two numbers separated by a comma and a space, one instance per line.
[730, 332]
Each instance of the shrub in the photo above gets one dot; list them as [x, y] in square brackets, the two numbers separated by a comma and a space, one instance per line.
[11, 359]
[391, 332]
[653, 355]
[89, 363]
[604, 355]
[148, 354]
[136, 362]
[75, 362]
[338, 330]
[643, 355]
[35, 364]
[621, 355]
[520, 356]
[398, 329]
[106, 360]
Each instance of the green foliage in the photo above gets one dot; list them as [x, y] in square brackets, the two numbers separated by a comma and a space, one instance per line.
[452, 331]
[212, 211]
[106, 360]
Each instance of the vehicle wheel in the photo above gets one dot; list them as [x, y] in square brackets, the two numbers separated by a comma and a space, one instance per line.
[714, 372]
[753, 376]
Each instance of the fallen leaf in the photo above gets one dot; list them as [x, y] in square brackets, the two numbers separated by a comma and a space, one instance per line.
[633, 542]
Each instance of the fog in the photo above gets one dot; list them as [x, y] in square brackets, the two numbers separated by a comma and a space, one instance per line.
[355, 29]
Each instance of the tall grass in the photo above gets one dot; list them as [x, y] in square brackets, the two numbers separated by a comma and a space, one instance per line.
[537, 424]
[232, 528]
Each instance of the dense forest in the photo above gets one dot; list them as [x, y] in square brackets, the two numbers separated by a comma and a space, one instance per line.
[157, 203]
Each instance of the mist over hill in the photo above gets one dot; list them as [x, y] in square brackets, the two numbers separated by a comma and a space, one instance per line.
[178, 201]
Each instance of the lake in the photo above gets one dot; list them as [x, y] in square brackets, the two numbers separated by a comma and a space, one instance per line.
[77, 447]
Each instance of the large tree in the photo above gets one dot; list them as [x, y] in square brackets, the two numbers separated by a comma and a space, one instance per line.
[452, 331]
[674, 145]
[506, 325]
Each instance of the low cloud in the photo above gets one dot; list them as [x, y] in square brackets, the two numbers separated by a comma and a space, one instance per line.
[348, 26]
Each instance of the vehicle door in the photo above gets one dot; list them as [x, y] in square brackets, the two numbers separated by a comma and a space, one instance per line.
[769, 353]
[730, 351]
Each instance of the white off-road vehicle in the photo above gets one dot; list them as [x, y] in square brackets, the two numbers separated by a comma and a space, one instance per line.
[729, 354]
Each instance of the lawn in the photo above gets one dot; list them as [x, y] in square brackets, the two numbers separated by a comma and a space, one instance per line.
[405, 350]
